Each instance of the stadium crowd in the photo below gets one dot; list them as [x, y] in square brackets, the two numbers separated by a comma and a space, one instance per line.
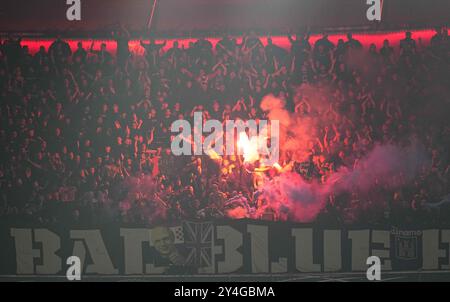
[85, 133]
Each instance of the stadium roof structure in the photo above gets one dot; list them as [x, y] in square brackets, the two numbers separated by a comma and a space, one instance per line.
[214, 17]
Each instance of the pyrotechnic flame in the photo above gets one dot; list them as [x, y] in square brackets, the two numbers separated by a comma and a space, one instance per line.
[213, 154]
[248, 147]
[278, 167]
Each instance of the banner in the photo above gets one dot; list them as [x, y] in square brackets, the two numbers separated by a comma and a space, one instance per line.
[219, 247]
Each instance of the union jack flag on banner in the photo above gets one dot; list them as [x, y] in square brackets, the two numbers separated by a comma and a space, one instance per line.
[199, 241]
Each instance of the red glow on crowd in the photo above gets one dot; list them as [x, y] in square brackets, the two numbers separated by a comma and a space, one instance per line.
[366, 39]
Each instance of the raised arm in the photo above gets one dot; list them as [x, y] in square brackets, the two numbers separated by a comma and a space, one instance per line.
[292, 40]
[91, 49]
[145, 45]
[187, 72]
[266, 81]
[161, 45]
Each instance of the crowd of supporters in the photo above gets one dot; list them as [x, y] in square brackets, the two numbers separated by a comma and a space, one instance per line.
[85, 134]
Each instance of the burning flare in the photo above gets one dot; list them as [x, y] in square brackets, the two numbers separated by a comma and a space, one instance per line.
[248, 147]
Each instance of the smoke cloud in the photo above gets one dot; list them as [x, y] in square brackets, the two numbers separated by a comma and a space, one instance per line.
[141, 196]
[389, 166]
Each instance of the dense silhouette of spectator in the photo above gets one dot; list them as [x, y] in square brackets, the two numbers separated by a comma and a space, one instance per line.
[85, 135]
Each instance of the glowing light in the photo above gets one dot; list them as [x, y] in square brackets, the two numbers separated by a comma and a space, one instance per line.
[278, 167]
[366, 39]
[213, 154]
[248, 147]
